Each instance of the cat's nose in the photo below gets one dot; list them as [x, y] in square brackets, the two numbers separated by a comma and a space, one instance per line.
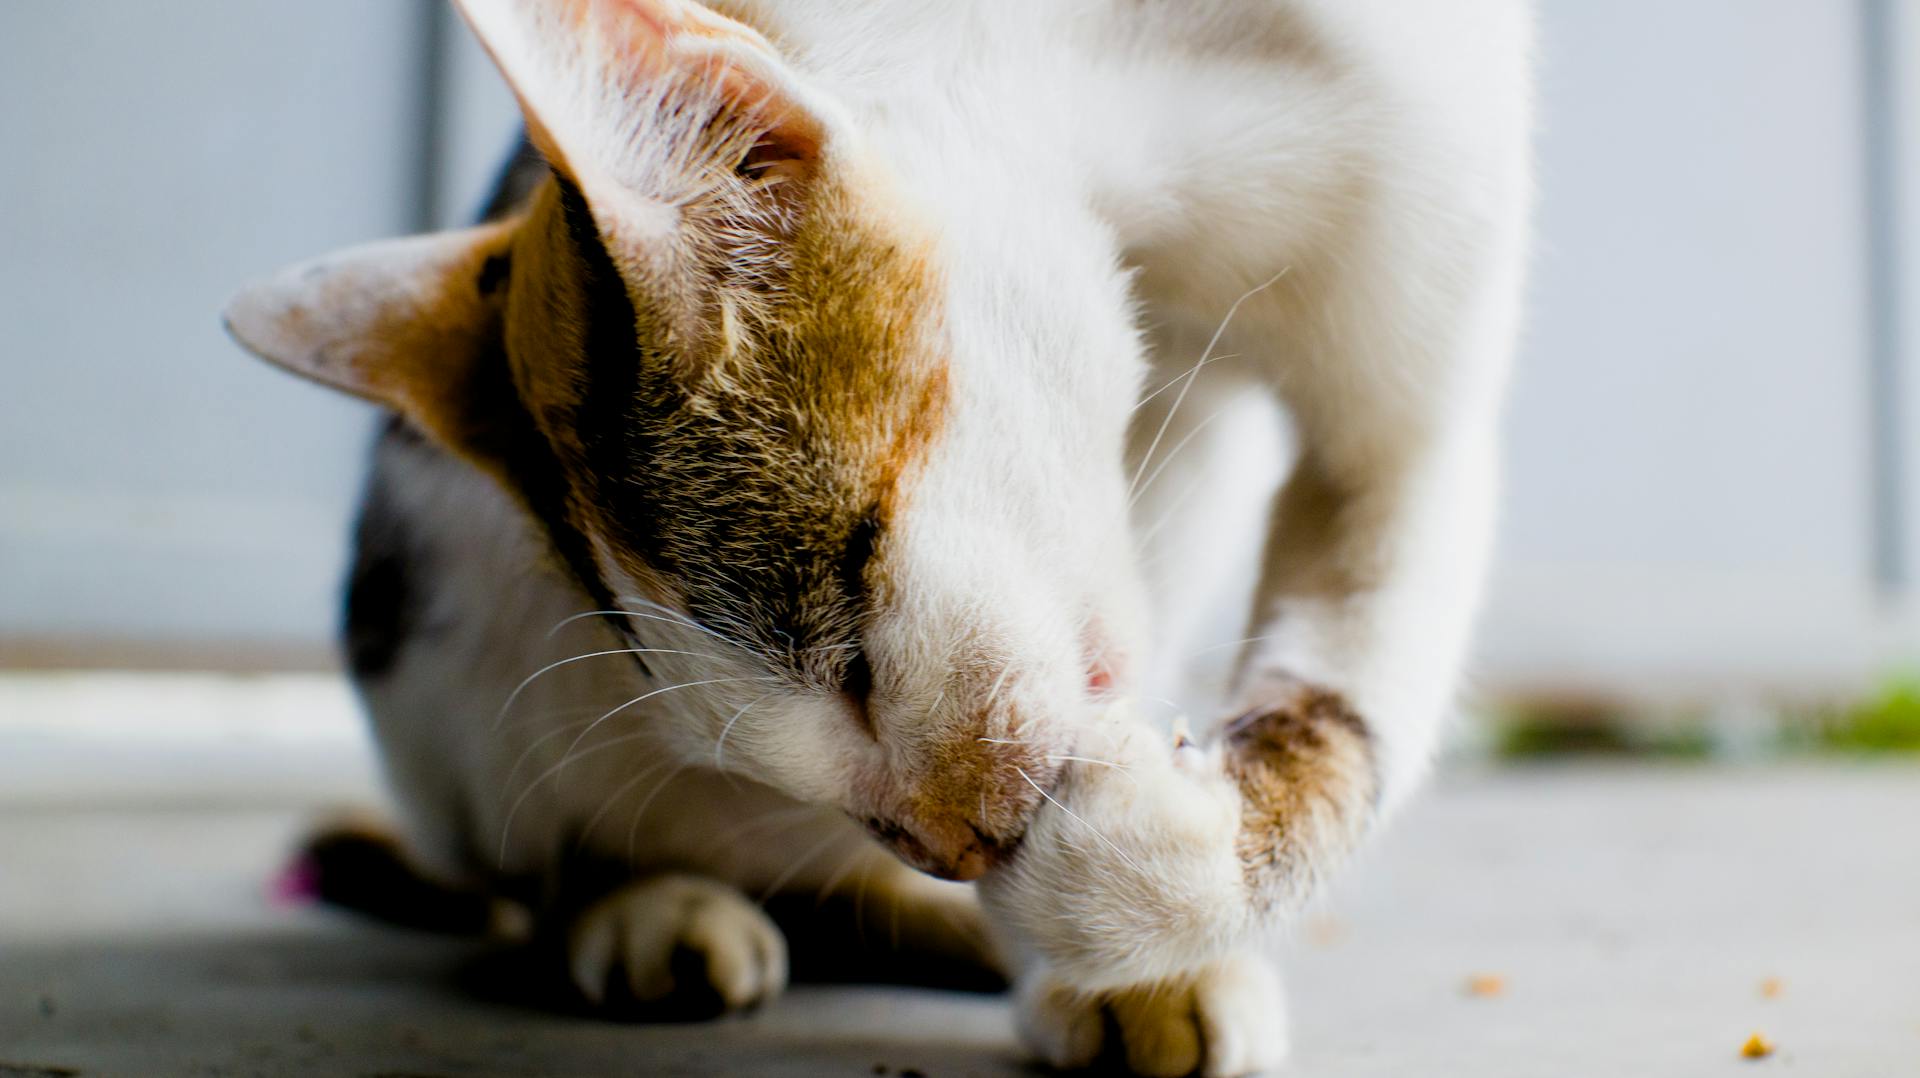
[952, 851]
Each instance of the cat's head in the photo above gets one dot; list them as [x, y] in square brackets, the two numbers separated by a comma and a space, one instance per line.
[741, 365]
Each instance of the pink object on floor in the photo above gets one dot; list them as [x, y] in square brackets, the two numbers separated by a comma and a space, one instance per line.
[298, 884]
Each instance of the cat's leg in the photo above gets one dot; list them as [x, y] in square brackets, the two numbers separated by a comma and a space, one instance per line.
[1388, 353]
[360, 862]
[1371, 569]
[1376, 545]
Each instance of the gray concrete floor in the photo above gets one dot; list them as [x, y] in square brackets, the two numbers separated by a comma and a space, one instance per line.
[1631, 916]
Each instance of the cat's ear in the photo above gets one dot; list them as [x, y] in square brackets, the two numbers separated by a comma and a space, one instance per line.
[657, 110]
[414, 324]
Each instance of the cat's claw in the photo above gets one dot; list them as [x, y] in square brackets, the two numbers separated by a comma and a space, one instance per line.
[1227, 1021]
[677, 942]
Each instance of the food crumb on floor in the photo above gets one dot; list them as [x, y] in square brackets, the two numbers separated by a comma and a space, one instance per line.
[1486, 985]
[1757, 1047]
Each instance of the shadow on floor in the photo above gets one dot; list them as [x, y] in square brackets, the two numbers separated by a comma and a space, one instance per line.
[337, 998]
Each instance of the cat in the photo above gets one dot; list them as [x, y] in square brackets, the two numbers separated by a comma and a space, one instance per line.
[792, 486]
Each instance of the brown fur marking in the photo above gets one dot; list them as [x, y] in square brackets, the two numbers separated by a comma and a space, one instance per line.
[1305, 768]
[775, 425]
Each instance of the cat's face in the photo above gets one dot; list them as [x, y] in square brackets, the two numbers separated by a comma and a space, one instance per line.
[856, 496]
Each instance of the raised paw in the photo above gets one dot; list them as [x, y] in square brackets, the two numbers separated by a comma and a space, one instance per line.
[679, 945]
[1226, 1021]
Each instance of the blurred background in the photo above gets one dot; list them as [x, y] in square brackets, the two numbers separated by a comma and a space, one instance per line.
[1713, 487]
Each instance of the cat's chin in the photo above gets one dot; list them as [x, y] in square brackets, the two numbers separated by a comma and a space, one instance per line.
[1131, 874]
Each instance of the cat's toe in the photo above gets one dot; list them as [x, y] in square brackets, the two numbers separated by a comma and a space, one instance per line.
[676, 944]
[1240, 1008]
[1160, 1030]
[1227, 1021]
[1060, 1025]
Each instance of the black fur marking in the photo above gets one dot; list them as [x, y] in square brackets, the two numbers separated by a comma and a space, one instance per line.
[368, 873]
[493, 273]
[607, 419]
[536, 472]
[856, 680]
[855, 556]
[664, 472]
[382, 602]
[519, 176]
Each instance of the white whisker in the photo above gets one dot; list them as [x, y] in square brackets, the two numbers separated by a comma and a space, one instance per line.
[846, 866]
[727, 838]
[521, 760]
[506, 827]
[1198, 428]
[1096, 831]
[1122, 768]
[614, 798]
[530, 678]
[683, 619]
[1171, 382]
[633, 826]
[1172, 510]
[1088, 760]
[682, 622]
[645, 696]
[1187, 382]
[1233, 644]
[793, 869]
[720, 746]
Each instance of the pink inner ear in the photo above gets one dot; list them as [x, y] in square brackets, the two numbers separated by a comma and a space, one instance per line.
[658, 34]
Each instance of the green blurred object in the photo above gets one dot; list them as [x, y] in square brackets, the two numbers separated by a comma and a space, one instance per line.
[1583, 729]
[1888, 722]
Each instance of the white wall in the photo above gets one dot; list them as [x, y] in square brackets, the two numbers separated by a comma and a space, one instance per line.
[153, 482]
[1688, 487]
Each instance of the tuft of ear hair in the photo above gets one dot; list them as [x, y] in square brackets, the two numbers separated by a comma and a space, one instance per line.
[660, 111]
[406, 323]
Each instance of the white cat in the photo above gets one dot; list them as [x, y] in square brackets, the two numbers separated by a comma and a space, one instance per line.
[851, 363]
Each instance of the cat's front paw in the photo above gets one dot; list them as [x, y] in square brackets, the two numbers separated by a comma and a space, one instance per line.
[682, 945]
[1225, 1021]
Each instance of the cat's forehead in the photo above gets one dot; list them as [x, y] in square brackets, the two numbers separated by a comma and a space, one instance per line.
[757, 476]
